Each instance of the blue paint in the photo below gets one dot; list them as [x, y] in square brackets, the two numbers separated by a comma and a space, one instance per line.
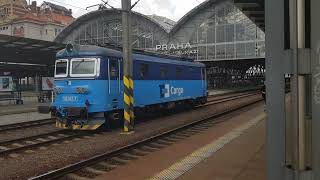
[146, 92]
[105, 92]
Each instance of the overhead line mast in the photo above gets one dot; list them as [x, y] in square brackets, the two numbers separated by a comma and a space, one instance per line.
[127, 67]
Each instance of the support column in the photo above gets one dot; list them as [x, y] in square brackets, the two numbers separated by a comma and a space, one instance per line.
[315, 64]
[127, 67]
[36, 83]
[275, 89]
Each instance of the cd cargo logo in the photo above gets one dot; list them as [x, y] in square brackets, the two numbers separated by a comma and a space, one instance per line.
[166, 91]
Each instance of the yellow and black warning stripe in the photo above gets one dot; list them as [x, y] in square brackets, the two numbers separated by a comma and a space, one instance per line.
[128, 104]
[77, 127]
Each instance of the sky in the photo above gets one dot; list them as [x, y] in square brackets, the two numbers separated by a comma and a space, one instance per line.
[172, 9]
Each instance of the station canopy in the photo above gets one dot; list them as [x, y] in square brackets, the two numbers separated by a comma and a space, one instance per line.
[27, 52]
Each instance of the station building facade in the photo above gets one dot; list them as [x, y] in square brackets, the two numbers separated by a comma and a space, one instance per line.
[216, 33]
[44, 22]
[212, 31]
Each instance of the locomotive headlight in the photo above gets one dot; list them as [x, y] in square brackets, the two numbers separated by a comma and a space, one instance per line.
[58, 90]
[81, 90]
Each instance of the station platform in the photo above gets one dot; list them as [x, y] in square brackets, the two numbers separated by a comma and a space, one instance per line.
[232, 150]
[241, 159]
[11, 113]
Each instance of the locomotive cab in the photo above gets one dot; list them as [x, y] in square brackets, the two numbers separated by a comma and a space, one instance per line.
[87, 86]
[76, 83]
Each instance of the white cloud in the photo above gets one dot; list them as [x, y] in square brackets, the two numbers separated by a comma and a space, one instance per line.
[173, 9]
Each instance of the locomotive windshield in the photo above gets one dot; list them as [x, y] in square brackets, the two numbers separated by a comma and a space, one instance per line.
[61, 69]
[84, 67]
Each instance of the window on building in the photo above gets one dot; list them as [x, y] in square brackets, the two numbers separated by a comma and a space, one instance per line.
[163, 72]
[55, 32]
[144, 68]
[46, 31]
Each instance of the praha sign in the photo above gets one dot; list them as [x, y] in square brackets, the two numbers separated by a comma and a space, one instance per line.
[183, 48]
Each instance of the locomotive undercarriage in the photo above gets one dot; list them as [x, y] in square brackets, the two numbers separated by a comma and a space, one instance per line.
[77, 118]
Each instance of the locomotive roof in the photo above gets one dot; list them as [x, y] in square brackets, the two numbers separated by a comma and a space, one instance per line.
[89, 50]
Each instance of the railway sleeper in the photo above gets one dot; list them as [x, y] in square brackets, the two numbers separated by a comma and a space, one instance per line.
[169, 139]
[42, 139]
[73, 176]
[157, 145]
[3, 148]
[180, 136]
[192, 131]
[131, 155]
[30, 142]
[126, 156]
[174, 138]
[161, 141]
[107, 166]
[94, 171]
[117, 161]
[137, 152]
[148, 148]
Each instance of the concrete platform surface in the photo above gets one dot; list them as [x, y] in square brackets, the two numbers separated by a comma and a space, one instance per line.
[241, 159]
[22, 117]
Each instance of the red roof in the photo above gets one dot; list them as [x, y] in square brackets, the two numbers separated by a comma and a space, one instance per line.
[42, 18]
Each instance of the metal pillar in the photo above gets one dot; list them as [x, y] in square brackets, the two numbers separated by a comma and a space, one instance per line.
[127, 67]
[37, 83]
[315, 64]
[275, 46]
[293, 47]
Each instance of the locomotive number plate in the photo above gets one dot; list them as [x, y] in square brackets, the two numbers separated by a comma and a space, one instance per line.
[70, 98]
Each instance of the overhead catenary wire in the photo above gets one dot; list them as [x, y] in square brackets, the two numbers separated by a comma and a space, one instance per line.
[68, 4]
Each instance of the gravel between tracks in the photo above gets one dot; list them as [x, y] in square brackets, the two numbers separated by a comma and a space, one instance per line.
[56, 156]
[31, 131]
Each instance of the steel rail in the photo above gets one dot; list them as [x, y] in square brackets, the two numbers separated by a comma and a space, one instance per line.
[28, 124]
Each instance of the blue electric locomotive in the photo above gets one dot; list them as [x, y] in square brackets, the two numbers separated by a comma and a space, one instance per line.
[89, 85]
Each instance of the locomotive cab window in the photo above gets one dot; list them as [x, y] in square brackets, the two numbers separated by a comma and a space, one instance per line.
[163, 72]
[143, 70]
[113, 69]
[178, 72]
[84, 67]
[61, 68]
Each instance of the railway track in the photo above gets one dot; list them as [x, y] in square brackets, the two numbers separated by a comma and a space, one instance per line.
[42, 140]
[229, 98]
[107, 161]
[24, 125]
